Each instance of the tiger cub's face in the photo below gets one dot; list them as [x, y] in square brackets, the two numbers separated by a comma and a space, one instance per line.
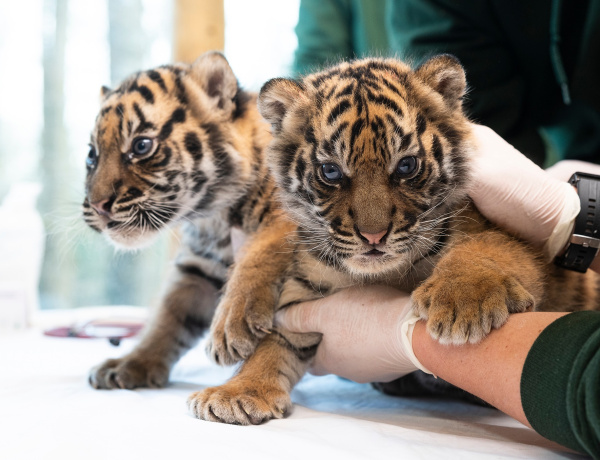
[370, 157]
[159, 152]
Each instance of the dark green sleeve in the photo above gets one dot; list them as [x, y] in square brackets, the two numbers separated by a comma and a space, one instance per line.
[332, 30]
[560, 384]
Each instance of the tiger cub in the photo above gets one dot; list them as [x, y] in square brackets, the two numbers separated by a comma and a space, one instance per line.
[372, 162]
[183, 145]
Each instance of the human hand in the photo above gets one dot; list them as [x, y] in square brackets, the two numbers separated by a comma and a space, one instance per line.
[515, 194]
[367, 333]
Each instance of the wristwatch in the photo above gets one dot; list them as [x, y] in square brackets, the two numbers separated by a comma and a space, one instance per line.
[585, 240]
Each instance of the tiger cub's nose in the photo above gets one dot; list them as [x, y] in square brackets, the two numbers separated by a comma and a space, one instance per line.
[104, 207]
[374, 238]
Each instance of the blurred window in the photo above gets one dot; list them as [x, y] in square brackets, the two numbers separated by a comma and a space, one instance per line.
[56, 55]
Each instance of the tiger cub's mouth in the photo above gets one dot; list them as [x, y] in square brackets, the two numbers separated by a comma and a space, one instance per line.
[373, 253]
[132, 226]
[371, 260]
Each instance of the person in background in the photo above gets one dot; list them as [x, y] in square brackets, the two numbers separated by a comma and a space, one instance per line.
[532, 67]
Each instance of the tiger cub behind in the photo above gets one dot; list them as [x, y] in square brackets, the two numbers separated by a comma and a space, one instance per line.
[182, 145]
[372, 161]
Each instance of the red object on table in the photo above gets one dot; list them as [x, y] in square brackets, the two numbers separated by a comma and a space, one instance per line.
[112, 329]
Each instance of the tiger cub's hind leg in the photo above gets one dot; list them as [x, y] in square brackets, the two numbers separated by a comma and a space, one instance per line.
[261, 389]
[183, 316]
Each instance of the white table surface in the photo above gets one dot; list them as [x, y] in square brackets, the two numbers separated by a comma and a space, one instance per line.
[48, 411]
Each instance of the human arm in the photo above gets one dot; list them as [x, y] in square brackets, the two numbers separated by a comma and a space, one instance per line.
[540, 368]
[490, 369]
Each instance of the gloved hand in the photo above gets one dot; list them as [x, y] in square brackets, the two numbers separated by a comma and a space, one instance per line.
[515, 194]
[367, 333]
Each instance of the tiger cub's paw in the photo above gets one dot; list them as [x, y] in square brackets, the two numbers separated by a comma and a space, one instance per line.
[241, 320]
[240, 404]
[128, 373]
[464, 307]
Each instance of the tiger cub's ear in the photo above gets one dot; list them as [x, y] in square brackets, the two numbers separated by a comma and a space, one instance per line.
[214, 75]
[104, 92]
[275, 99]
[445, 74]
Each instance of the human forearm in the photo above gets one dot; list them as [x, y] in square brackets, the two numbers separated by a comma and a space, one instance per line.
[490, 369]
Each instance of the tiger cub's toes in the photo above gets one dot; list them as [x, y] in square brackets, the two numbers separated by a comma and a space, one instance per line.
[462, 308]
[240, 403]
[128, 373]
[239, 323]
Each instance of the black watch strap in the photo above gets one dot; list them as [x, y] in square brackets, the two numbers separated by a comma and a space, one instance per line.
[585, 240]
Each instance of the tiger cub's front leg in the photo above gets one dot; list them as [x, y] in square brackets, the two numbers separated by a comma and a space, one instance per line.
[261, 389]
[183, 316]
[475, 286]
[245, 313]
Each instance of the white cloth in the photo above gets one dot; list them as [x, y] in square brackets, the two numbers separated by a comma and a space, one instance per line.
[48, 411]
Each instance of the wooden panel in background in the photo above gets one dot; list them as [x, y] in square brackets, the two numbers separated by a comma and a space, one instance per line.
[199, 27]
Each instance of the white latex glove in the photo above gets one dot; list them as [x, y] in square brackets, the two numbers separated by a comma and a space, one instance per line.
[367, 333]
[514, 193]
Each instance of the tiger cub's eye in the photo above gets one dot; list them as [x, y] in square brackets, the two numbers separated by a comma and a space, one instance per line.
[141, 146]
[407, 167]
[92, 157]
[331, 172]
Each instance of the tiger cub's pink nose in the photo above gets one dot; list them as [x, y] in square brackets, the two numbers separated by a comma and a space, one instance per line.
[374, 238]
[103, 207]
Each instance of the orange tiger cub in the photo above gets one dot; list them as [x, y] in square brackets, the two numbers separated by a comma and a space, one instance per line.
[371, 159]
[183, 145]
